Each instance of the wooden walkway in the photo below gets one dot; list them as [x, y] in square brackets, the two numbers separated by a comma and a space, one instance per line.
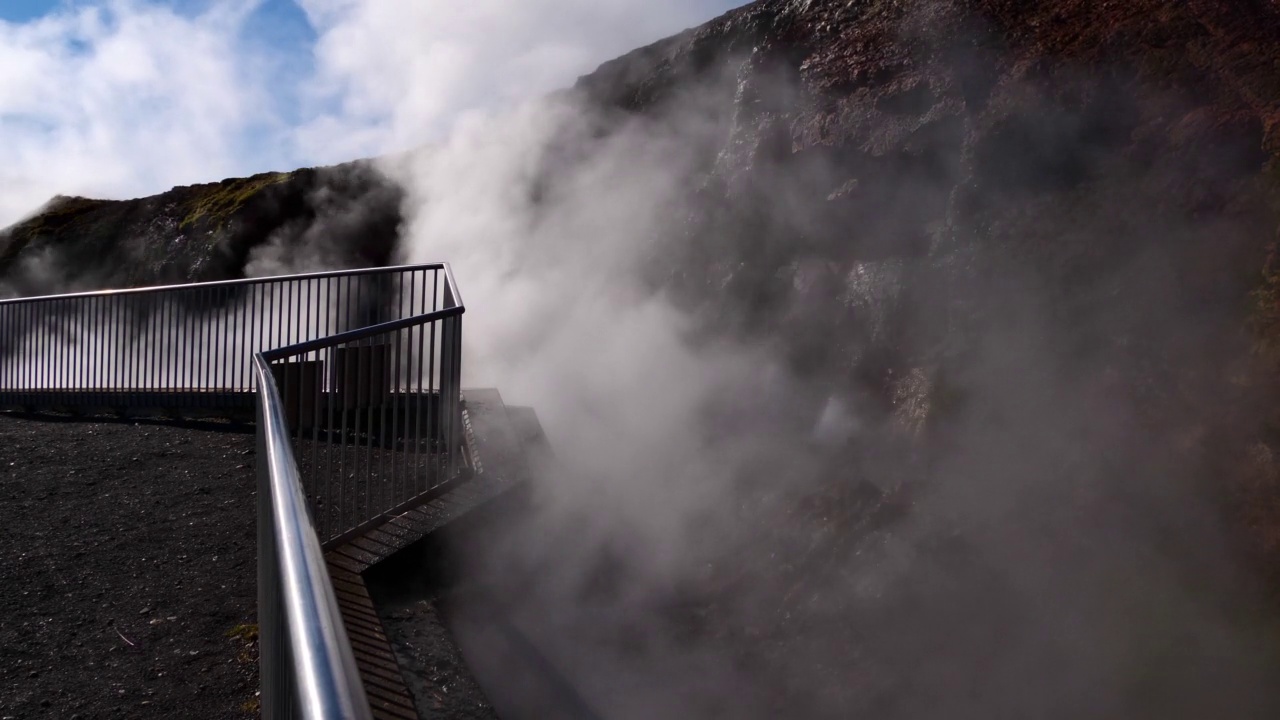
[493, 451]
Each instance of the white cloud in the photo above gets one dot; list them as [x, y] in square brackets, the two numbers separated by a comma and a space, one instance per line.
[124, 99]
[408, 68]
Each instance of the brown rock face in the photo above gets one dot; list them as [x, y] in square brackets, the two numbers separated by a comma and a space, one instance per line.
[1087, 190]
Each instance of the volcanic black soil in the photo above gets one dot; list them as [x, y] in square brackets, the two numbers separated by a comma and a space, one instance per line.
[127, 570]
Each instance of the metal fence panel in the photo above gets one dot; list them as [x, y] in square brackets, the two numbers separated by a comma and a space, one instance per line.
[358, 396]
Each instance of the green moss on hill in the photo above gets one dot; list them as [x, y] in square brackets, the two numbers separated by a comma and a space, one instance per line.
[222, 200]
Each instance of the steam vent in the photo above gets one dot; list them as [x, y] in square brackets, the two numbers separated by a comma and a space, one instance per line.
[854, 359]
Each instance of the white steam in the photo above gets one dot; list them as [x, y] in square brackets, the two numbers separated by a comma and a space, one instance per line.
[397, 73]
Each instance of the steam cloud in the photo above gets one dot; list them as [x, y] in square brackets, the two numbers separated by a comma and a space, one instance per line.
[1021, 559]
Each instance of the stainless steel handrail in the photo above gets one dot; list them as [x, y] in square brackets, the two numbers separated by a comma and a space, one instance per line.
[359, 334]
[299, 624]
[271, 279]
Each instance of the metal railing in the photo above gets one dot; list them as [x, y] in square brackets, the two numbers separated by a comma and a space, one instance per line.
[375, 415]
[306, 663]
[358, 379]
[188, 348]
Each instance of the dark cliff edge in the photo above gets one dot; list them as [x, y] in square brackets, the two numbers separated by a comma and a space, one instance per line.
[1036, 244]
[346, 215]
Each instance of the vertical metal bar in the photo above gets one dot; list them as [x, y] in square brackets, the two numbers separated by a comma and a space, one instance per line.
[24, 369]
[217, 344]
[51, 346]
[423, 399]
[168, 334]
[174, 324]
[383, 436]
[81, 367]
[343, 394]
[257, 317]
[20, 357]
[8, 354]
[154, 328]
[101, 337]
[76, 375]
[142, 321]
[108, 333]
[161, 352]
[432, 393]
[310, 333]
[398, 491]
[23, 363]
[277, 306]
[58, 359]
[13, 359]
[408, 397]
[330, 370]
[40, 347]
[370, 495]
[142, 341]
[23, 372]
[34, 363]
[180, 339]
[186, 342]
[170, 344]
[38, 359]
[226, 341]
[118, 345]
[191, 368]
[236, 350]
[94, 363]
[455, 397]
[175, 341]
[121, 331]
[73, 352]
[206, 345]
[131, 324]
[106, 356]
[10, 351]
[448, 389]
[362, 392]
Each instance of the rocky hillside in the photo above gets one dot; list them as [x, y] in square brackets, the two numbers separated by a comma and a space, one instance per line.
[346, 216]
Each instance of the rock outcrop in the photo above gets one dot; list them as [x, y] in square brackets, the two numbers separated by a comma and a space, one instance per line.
[346, 215]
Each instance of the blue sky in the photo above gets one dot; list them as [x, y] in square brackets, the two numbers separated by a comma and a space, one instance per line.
[281, 24]
[121, 98]
[282, 16]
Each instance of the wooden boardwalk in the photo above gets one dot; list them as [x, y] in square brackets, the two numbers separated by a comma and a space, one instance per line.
[494, 451]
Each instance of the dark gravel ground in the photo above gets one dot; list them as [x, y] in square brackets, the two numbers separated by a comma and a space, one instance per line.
[127, 570]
